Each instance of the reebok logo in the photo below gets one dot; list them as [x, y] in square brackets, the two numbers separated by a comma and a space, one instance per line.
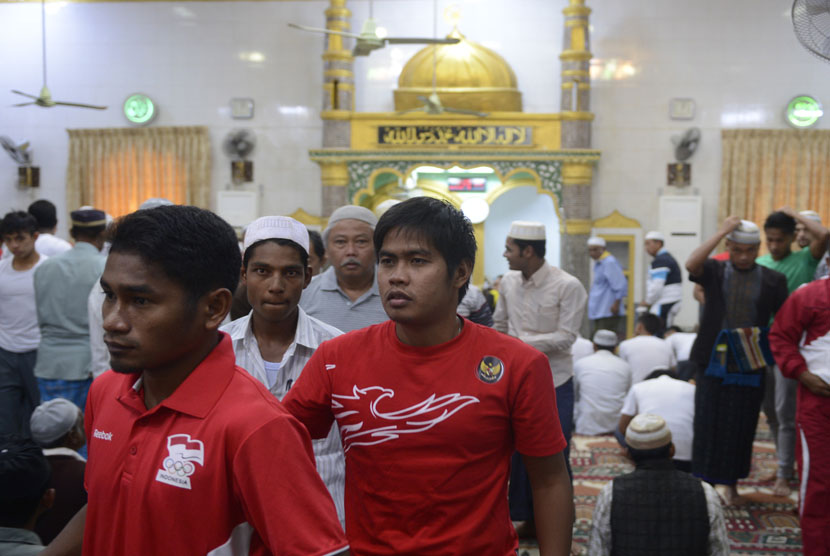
[102, 435]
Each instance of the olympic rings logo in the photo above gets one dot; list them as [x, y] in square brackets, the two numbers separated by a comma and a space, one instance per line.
[180, 468]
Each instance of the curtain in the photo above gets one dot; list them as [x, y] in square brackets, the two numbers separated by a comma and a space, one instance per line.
[117, 169]
[765, 169]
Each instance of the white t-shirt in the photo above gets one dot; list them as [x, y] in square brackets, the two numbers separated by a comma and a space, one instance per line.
[19, 331]
[581, 348]
[681, 344]
[644, 353]
[671, 399]
[601, 381]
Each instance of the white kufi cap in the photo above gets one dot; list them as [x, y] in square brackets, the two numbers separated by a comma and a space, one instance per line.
[647, 432]
[596, 242]
[528, 231]
[350, 212]
[276, 227]
[53, 419]
[746, 232]
[811, 215]
[606, 338]
[656, 236]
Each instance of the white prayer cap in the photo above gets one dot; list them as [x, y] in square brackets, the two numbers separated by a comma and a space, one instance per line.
[350, 212]
[656, 236]
[746, 232]
[53, 419]
[606, 338]
[528, 231]
[276, 227]
[596, 242]
[154, 202]
[811, 215]
[647, 432]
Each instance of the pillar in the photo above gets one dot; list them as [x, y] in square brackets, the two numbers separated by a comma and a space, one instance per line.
[338, 105]
[576, 134]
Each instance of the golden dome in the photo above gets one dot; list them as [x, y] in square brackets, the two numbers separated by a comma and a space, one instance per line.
[468, 76]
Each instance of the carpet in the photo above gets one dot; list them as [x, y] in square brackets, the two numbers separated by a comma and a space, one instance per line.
[766, 525]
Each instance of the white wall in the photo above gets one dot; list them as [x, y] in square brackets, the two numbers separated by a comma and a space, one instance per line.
[738, 59]
[190, 58]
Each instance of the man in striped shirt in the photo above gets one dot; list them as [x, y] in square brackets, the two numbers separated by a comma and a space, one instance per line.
[277, 338]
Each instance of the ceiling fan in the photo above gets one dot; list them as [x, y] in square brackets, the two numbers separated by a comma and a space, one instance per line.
[45, 97]
[432, 104]
[369, 40]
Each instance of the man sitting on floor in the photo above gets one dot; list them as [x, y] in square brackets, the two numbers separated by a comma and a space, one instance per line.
[656, 509]
[601, 381]
[674, 400]
[646, 350]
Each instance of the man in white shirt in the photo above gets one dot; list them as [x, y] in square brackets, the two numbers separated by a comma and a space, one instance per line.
[646, 350]
[543, 306]
[19, 332]
[601, 381]
[277, 338]
[47, 242]
[673, 400]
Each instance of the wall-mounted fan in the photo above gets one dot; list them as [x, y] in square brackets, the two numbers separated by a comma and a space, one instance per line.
[238, 145]
[811, 23]
[19, 153]
[27, 175]
[685, 145]
[369, 40]
[45, 98]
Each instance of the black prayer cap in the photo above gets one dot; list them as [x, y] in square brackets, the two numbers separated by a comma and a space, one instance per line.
[88, 218]
[24, 470]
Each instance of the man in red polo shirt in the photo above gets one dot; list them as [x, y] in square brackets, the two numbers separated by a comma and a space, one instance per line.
[431, 406]
[189, 454]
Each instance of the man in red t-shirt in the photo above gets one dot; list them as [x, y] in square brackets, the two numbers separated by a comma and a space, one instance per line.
[430, 406]
[188, 453]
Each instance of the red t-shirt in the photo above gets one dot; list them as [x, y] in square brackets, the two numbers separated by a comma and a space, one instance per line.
[428, 434]
[219, 463]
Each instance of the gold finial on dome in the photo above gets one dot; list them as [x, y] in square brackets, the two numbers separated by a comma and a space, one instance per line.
[467, 75]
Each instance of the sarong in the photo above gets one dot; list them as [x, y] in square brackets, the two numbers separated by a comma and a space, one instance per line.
[727, 405]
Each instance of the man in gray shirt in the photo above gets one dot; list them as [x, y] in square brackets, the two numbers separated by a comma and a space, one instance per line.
[62, 286]
[346, 295]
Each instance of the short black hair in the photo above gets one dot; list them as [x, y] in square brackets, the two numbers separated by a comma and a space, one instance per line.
[657, 373]
[538, 245]
[674, 328]
[315, 241]
[45, 213]
[193, 246]
[663, 452]
[18, 221]
[606, 348]
[246, 258]
[652, 323]
[440, 223]
[24, 477]
[780, 221]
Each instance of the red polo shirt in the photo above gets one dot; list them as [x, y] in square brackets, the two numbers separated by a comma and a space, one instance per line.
[217, 466]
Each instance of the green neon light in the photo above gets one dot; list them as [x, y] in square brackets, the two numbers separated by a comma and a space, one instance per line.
[139, 109]
[804, 111]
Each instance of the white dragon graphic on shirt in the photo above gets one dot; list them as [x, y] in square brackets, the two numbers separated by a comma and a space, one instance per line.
[414, 419]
